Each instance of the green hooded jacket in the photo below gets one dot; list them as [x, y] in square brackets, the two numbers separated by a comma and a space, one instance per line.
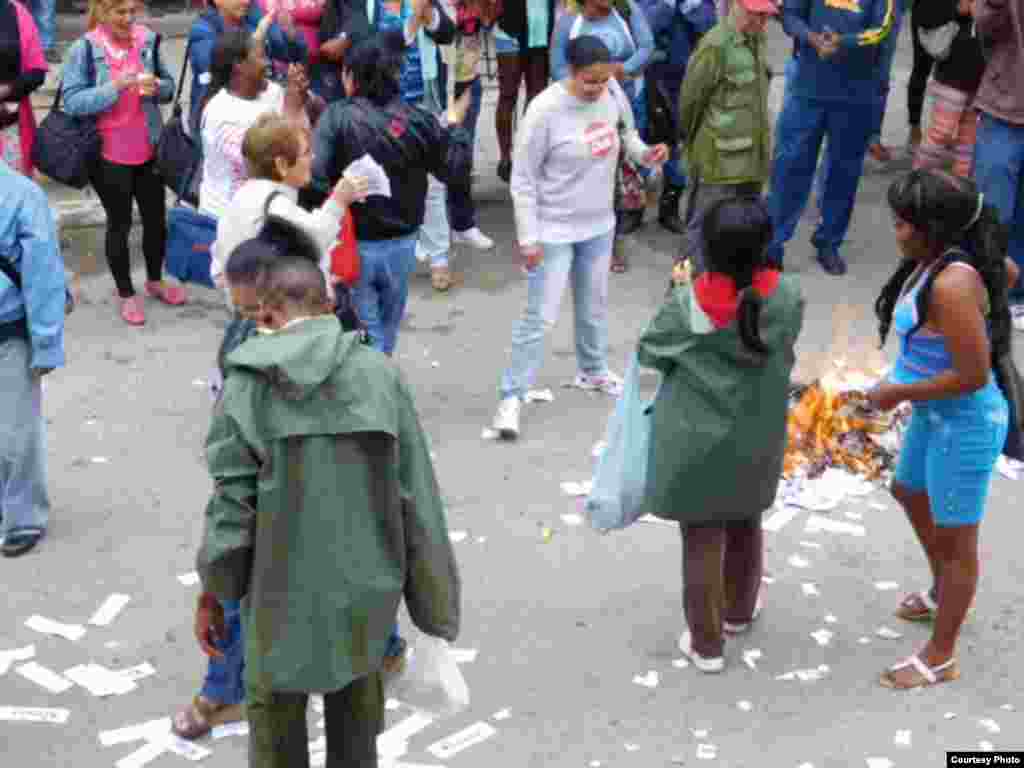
[325, 511]
[718, 424]
[723, 108]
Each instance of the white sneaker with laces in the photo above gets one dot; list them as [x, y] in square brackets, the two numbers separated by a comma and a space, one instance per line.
[474, 238]
[704, 664]
[610, 383]
[506, 420]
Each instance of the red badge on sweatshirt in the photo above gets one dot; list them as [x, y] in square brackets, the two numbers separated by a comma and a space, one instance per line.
[601, 138]
[397, 127]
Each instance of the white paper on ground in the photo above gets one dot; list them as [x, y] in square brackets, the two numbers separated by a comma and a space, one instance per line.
[823, 636]
[44, 677]
[138, 672]
[878, 507]
[853, 515]
[457, 536]
[864, 640]
[888, 634]
[831, 619]
[631, 747]
[985, 746]
[768, 579]
[572, 519]
[650, 680]
[582, 488]
[779, 519]
[744, 706]
[7, 658]
[150, 729]
[990, 725]
[72, 632]
[682, 663]
[379, 183]
[99, 681]
[902, 738]
[750, 657]
[489, 434]
[879, 762]
[100, 460]
[810, 545]
[701, 733]
[798, 562]
[392, 704]
[810, 590]
[540, 396]
[707, 751]
[817, 523]
[407, 728]
[502, 714]
[107, 612]
[464, 739]
[142, 756]
[35, 715]
[806, 765]
[229, 729]
[464, 655]
[187, 749]
[189, 579]
[949, 716]
[886, 586]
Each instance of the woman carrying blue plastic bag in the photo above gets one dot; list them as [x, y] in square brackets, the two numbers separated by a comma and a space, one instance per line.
[724, 345]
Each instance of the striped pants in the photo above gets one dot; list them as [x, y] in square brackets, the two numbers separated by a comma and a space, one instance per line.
[952, 130]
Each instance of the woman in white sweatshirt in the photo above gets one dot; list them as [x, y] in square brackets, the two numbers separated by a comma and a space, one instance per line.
[563, 177]
[279, 158]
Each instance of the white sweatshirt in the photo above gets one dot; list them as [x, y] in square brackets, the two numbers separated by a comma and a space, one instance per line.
[563, 169]
[243, 220]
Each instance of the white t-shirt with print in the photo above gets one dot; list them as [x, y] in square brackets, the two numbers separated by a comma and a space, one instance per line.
[224, 123]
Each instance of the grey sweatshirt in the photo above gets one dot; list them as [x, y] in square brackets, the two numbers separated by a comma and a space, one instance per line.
[563, 170]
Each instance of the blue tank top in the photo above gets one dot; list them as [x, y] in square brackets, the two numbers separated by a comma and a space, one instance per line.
[923, 355]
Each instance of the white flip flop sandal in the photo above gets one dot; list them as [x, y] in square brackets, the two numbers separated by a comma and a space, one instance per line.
[926, 676]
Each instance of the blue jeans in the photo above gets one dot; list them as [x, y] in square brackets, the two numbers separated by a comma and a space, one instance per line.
[24, 502]
[435, 236]
[44, 12]
[225, 682]
[802, 126]
[381, 292]
[461, 209]
[999, 173]
[674, 173]
[587, 263]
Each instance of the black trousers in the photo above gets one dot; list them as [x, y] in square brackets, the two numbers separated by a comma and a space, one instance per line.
[354, 717]
[117, 186]
[918, 82]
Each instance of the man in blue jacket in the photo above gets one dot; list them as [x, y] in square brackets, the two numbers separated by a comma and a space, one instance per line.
[285, 46]
[833, 92]
[32, 302]
[677, 26]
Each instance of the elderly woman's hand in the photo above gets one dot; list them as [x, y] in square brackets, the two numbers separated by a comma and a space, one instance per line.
[351, 189]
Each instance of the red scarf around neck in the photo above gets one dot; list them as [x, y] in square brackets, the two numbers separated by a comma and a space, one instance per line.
[717, 295]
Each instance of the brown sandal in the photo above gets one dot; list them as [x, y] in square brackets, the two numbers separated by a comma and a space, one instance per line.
[441, 278]
[620, 262]
[923, 675]
[202, 716]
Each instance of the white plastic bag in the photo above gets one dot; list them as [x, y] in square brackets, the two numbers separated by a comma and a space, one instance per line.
[432, 682]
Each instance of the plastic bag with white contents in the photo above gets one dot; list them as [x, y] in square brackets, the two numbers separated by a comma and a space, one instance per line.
[432, 682]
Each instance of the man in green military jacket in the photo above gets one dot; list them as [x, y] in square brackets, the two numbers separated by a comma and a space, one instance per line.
[723, 116]
[325, 513]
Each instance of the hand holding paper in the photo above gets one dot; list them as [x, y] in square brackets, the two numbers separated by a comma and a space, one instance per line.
[377, 181]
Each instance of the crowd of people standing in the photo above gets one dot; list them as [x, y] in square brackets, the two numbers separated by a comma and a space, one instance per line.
[288, 97]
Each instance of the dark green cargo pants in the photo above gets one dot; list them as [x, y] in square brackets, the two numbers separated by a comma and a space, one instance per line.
[354, 716]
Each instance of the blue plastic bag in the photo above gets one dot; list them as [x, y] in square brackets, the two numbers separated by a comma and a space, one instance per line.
[189, 237]
[617, 496]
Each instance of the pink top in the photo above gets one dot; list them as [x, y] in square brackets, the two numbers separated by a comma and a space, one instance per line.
[306, 14]
[31, 58]
[123, 127]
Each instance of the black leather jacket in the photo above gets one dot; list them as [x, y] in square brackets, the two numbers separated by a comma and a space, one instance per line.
[407, 141]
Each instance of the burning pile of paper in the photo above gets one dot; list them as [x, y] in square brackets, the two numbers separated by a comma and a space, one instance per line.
[832, 424]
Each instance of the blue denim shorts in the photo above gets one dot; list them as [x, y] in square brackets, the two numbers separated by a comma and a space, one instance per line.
[950, 450]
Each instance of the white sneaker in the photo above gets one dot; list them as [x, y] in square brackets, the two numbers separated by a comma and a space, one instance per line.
[610, 383]
[506, 420]
[709, 665]
[474, 238]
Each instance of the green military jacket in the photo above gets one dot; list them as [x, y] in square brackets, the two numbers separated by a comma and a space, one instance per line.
[718, 425]
[325, 511]
[723, 108]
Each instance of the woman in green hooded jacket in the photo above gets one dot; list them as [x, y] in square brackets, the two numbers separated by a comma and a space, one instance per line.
[724, 345]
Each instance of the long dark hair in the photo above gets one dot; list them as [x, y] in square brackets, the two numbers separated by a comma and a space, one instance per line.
[375, 64]
[954, 219]
[233, 46]
[736, 234]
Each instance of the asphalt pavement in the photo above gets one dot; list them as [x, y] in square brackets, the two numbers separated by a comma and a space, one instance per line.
[563, 618]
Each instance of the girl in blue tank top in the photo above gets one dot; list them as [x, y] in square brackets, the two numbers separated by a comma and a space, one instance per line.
[947, 303]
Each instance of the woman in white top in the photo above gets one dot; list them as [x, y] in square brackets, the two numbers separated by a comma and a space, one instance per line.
[563, 176]
[239, 93]
[279, 158]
